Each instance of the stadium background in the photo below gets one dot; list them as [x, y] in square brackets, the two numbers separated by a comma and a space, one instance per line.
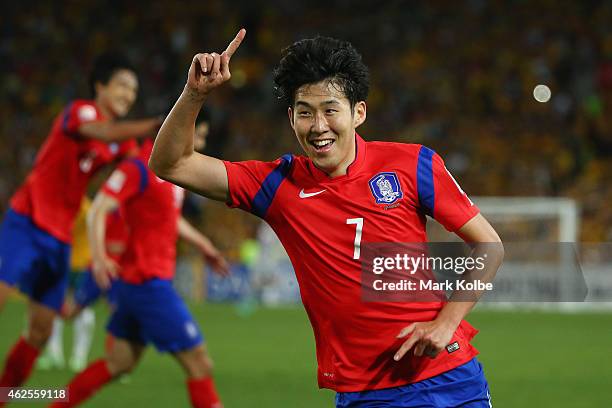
[456, 76]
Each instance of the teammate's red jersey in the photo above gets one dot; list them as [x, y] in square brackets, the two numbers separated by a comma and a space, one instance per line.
[51, 195]
[386, 193]
[150, 207]
[117, 234]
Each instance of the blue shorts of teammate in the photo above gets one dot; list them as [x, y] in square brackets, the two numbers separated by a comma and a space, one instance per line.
[87, 291]
[152, 312]
[33, 260]
[464, 386]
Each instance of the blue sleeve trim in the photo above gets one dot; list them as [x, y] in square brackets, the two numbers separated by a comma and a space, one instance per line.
[66, 119]
[425, 180]
[144, 174]
[267, 191]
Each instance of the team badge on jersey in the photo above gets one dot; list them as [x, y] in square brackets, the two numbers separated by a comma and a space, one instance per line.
[386, 188]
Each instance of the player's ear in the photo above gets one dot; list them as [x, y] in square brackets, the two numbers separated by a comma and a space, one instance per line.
[359, 113]
[290, 113]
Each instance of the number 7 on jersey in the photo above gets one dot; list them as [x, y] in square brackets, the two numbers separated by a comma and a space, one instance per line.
[358, 230]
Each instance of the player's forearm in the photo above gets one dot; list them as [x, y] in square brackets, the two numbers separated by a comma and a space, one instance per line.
[101, 207]
[188, 232]
[461, 302]
[119, 131]
[96, 231]
[453, 312]
[174, 140]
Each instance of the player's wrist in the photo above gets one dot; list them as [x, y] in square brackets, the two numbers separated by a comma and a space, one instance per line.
[447, 322]
[195, 95]
[99, 257]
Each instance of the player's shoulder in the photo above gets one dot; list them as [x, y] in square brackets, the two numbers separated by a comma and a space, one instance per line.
[84, 109]
[297, 163]
[283, 163]
[130, 171]
[134, 166]
[296, 159]
[76, 104]
[399, 150]
[285, 159]
[82, 102]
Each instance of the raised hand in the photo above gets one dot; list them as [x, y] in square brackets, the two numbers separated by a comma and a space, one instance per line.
[209, 70]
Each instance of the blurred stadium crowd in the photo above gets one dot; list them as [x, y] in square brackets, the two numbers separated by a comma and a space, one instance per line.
[456, 76]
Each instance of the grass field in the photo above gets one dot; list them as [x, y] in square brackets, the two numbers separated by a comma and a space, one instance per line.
[266, 360]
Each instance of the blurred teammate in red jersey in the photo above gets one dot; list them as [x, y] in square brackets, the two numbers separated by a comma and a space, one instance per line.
[36, 233]
[87, 292]
[148, 310]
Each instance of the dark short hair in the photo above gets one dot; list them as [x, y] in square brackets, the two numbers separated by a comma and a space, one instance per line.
[105, 66]
[322, 58]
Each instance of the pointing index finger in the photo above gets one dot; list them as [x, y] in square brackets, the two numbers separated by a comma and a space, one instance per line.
[233, 46]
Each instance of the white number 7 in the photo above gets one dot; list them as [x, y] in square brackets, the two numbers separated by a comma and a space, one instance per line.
[359, 223]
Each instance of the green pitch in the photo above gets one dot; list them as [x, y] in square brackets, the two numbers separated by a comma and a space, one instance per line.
[264, 358]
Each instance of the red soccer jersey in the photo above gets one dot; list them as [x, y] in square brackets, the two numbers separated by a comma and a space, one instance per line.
[117, 234]
[51, 195]
[150, 207]
[317, 217]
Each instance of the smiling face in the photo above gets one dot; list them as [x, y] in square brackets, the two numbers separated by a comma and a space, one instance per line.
[117, 96]
[325, 124]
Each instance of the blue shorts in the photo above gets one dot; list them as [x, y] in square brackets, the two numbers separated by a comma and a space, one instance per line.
[464, 386]
[33, 260]
[88, 291]
[153, 312]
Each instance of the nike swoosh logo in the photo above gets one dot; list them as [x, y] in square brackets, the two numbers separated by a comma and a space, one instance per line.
[306, 195]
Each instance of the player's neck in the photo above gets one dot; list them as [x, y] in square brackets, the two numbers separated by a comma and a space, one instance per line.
[342, 168]
[106, 112]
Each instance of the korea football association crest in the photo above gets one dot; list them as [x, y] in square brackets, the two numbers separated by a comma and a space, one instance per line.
[386, 188]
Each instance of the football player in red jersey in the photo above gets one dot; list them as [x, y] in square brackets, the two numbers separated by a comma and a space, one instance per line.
[87, 292]
[325, 206]
[36, 232]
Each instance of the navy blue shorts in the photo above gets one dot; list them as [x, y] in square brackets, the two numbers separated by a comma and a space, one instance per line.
[464, 386]
[87, 291]
[33, 260]
[152, 312]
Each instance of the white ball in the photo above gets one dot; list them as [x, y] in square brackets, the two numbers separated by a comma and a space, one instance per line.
[542, 93]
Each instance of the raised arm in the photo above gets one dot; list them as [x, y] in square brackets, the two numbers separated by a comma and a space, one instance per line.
[173, 157]
[212, 255]
[110, 131]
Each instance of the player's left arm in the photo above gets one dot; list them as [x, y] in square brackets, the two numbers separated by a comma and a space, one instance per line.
[124, 183]
[484, 240]
[111, 131]
[204, 245]
[104, 268]
[431, 337]
[453, 209]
